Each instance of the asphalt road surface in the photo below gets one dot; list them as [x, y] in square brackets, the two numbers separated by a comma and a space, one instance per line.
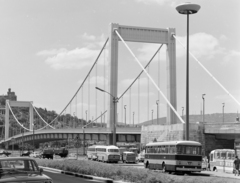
[62, 178]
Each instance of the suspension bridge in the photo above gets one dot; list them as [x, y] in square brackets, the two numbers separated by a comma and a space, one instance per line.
[98, 110]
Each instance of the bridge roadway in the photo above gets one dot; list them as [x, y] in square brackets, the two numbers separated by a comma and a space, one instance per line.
[123, 134]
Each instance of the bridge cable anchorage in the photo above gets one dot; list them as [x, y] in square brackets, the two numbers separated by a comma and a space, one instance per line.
[82, 82]
[141, 71]
[209, 73]
[47, 124]
[165, 98]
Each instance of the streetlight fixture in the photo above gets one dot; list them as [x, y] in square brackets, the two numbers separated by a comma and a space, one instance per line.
[223, 110]
[125, 115]
[115, 100]
[186, 9]
[157, 110]
[203, 107]
[152, 116]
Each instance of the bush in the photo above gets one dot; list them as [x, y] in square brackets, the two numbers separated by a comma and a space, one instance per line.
[127, 174]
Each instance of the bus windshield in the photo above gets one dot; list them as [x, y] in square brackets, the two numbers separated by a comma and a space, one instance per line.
[113, 150]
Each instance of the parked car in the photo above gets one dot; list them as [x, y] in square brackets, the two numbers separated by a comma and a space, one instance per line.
[4, 153]
[140, 157]
[25, 153]
[21, 169]
[35, 155]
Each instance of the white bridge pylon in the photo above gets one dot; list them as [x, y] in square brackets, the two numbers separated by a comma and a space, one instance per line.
[17, 104]
[144, 35]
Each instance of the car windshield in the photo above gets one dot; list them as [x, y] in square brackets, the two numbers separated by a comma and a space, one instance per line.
[17, 166]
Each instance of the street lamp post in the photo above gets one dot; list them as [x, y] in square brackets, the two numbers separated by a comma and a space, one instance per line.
[115, 100]
[125, 115]
[182, 112]
[83, 128]
[187, 8]
[157, 110]
[22, 137]
[223, 110]
[33, 138]
[152, 116]
[203, 107]
[133, 118]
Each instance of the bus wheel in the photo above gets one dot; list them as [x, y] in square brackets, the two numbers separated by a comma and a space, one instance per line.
[163, 168]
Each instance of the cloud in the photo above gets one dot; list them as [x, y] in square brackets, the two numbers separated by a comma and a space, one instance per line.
[147, 51]
[160, 2]
[201, 45]
[232, 56]
[100, 80]
[77, 58]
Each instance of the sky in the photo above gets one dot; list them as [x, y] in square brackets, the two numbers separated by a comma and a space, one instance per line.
[48, 47]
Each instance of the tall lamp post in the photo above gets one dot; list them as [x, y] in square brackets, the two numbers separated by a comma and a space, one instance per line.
[115, 100]
[33, 138]
[223, 110]
[152, 116]
[157, 110]
[203, 107]
[125, 115]
[187, 9]
[182, 112]
[133, 118]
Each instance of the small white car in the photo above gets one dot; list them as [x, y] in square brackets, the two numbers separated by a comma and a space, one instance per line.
[35, 155]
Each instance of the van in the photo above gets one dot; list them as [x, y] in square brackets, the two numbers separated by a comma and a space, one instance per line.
[128, 157]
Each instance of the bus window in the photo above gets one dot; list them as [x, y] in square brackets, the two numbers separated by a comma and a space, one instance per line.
[223, 155]
[180, 149]
[217, 155]
[229, 155]
[211, 157]
[172, 149]
[189, 150]
[166, 149]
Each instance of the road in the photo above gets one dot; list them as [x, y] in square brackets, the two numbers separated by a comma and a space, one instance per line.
[62, 178]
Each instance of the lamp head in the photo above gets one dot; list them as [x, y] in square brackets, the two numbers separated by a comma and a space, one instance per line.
[188, 8]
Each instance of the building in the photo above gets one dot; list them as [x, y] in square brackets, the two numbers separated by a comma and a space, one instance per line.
[10, 96]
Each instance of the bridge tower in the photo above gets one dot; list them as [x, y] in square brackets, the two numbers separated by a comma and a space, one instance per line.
[144, 35]
[17, 104]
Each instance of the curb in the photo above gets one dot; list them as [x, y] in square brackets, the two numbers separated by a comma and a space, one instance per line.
[79, 175]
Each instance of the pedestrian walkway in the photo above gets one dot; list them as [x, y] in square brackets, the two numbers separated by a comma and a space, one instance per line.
[220, 173]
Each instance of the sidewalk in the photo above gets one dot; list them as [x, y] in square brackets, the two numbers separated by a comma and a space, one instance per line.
[220, 173]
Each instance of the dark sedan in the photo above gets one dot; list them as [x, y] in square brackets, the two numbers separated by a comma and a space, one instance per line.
[21, 169]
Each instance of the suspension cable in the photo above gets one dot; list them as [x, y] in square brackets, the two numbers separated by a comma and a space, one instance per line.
[16, 118]
[141, 71]
[82, 82]
[209, 73]
[42, 119]
[149, 77]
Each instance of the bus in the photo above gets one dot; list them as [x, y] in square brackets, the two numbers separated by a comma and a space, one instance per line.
[92, 152]
[108, 153]
[174, 156]
[222, 159]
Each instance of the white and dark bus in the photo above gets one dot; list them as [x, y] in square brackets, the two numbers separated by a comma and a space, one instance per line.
[174, 156]
[108, 153]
